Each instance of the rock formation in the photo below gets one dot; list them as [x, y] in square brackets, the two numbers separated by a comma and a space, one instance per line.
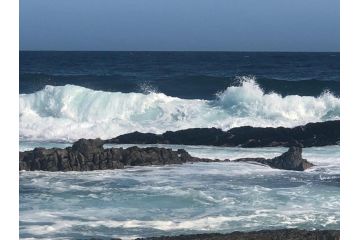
[309, 135]
[87, 155]
[290, 160]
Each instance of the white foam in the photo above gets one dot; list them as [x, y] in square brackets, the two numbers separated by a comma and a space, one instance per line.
[163, 200]
[70, 112]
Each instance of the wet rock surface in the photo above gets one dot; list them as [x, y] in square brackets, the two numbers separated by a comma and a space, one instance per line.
[282, 234]
[309, 135]
[87, 155]
[290, 160]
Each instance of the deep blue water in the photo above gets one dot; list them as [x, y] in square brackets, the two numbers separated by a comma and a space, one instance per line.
[190, 75]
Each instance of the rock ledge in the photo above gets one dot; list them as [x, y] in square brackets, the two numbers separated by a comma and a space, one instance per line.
[87, 155]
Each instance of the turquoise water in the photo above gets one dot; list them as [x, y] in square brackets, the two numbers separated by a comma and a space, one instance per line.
[181, 199]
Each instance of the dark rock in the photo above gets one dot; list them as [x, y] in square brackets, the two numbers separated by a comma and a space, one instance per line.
[88, 155]
[88, 146]
[290, 160]
[280, 234]
[309, 135]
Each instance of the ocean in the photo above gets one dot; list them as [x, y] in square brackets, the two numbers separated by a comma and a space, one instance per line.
[65, 96]
[68, 95]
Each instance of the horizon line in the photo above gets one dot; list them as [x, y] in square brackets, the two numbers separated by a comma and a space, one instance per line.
[229, 51]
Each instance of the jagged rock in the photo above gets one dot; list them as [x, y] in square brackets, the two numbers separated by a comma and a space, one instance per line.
[87, 155]
[309, 135]
[88, 146]
[290, 160]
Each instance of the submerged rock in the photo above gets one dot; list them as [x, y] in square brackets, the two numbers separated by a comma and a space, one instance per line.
[87, 155]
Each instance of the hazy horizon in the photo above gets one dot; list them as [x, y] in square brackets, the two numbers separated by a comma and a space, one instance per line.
[159, 25]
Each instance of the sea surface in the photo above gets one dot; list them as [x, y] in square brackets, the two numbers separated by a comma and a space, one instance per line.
[65, 96]
[68, 95]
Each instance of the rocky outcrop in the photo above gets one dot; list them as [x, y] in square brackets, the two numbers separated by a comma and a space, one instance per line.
[281, 234]
[290, 160]
[309, 135]
[87, 155]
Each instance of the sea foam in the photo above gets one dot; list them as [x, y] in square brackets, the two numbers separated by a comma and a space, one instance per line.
[70, 112]
[187, 198]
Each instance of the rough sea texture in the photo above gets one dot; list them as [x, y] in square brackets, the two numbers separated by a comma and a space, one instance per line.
[188, 198]
[69, 95]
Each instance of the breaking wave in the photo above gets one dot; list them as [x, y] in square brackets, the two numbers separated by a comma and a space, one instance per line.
[69, 112]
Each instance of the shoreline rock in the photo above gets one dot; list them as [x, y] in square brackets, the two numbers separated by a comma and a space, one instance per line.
[88, 155]
[280, 234]
[290, 160]
[309, 135]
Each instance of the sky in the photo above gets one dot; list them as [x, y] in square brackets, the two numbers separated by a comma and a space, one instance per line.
[179, 25]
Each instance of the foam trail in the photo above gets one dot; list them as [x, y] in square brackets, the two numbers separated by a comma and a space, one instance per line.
[70, 112]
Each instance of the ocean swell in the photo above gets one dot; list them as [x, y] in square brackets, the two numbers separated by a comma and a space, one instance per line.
[70, 112]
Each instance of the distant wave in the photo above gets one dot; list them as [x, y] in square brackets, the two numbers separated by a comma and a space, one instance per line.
[70, 112]
[186, 86]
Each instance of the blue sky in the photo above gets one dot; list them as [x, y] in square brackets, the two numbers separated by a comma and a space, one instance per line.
[182, 25]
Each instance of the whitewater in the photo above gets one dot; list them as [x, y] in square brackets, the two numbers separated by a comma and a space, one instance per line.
[66, 113]
[181, 199]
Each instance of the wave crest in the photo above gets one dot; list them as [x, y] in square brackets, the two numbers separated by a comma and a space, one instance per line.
[70, 112]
